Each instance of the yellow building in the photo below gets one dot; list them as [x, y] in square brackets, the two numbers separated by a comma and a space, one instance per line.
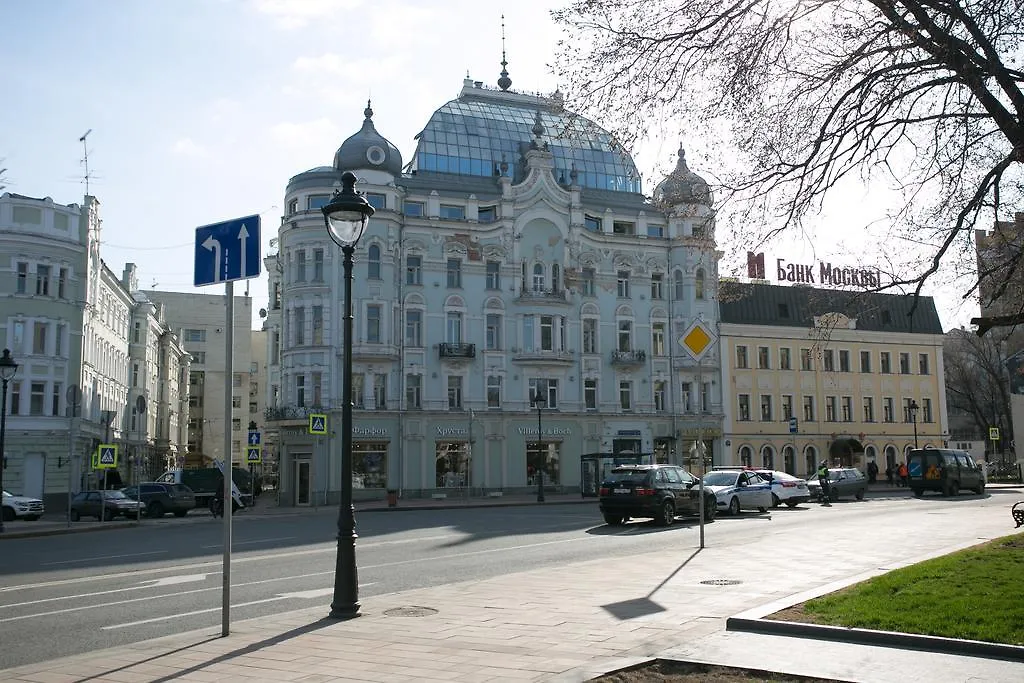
[812, 374]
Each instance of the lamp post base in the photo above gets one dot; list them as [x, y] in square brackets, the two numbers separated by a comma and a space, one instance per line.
[342, 612]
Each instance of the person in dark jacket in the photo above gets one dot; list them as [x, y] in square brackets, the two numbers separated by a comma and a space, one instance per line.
[826, 489]
[872, 472]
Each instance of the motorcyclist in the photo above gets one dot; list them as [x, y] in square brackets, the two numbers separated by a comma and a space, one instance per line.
[826, 489]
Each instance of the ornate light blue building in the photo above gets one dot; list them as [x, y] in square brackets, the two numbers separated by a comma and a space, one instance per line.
[514, 256]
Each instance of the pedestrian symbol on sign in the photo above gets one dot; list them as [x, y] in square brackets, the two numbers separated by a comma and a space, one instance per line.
[106, 456]
[254, 455]
[317, 423]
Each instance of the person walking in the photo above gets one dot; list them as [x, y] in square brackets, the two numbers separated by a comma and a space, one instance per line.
[826, 490]
[904, 475]
[889, 474]
[872, 472]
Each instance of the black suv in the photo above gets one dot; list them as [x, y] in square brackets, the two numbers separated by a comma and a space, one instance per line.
[658, 491]
[160, 498]
[944, 470]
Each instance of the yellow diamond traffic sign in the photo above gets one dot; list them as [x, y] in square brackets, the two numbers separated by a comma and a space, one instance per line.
[697, 339]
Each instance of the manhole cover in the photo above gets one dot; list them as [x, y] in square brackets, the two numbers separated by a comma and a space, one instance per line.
[410, 611]
[721, 582]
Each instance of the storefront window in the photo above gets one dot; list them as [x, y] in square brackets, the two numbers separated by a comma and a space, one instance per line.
[547, 455]
[369, 465]
[452, 464]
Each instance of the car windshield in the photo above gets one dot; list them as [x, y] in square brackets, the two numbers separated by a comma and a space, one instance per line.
[627, 477]
[720, 478]
[7, 494]
[114, 495]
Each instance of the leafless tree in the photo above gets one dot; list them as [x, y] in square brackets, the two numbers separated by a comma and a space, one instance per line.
[924, 95]
[976, 386]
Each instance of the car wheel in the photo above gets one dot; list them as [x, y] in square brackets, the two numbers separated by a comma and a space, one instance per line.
[980, 490]
[734, 506]
[613, 520]
[75, 516]
[180, 513]
[8, 514]
[762, 509]
[860, 494]
[791, 504]
[668, 514]
[710, 510]
[775, 501]
[155, 509]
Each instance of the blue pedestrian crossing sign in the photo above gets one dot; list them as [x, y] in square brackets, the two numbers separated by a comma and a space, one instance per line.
[254, 438]
[106, 456]
[317, 423]
[792, 425]
[254, 454]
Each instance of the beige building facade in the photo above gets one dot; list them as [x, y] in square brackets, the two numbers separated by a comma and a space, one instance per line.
[815, 374]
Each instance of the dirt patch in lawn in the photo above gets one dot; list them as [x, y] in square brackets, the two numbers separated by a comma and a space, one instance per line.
[667, 671]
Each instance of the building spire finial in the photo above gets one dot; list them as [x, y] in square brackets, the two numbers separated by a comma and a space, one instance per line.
[504, 82]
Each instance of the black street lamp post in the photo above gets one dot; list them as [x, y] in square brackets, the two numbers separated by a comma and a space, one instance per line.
[345, 217]
[539, 402]
[7, 369]
[912, 408]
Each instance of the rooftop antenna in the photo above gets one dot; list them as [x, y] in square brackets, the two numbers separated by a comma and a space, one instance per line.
[504, 82]
[85, 159]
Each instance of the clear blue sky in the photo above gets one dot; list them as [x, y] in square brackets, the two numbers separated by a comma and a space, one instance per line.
[201, 110]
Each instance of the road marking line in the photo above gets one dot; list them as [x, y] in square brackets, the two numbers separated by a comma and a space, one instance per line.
[262, 540]
[105, 557]
[149, 583]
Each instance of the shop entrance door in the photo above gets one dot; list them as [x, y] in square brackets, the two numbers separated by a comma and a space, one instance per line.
[302, 483]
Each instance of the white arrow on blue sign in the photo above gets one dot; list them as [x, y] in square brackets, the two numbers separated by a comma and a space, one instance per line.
[227, 251]
[792, 425]
[254, 438]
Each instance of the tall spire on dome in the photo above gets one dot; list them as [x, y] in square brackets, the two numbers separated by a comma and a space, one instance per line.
[681, 159]
[504, 82]
[368, 112]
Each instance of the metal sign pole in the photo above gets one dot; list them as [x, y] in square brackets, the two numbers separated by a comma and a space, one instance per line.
[700, 445]
[226, 468]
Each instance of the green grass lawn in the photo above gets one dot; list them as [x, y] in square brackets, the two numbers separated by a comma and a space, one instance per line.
[977, 594]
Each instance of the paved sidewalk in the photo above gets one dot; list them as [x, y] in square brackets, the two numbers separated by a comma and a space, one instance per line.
[570, 623]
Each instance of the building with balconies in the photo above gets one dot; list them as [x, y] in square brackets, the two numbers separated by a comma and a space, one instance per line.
[514, 257]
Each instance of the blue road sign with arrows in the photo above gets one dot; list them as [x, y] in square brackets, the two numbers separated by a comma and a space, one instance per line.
[254, 438]
[227, 251]
[792, 425]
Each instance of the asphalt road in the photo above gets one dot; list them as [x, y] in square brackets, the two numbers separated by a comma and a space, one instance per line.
[63, 595]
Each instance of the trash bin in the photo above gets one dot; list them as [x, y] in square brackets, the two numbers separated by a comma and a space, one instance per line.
[392, 498]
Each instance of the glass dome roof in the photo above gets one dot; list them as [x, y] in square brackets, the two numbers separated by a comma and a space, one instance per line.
[473, 137]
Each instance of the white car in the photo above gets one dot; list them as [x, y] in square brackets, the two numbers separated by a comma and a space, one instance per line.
[786, 488]
[21, 507]
[739, 489]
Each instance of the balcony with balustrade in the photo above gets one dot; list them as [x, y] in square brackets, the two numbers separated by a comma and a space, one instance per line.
[528, 295]
[632, 357]
[456, 351]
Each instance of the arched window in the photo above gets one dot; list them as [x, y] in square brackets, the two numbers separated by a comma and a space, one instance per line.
[538, 277]
[811, 460]
[698, 284]
[556, 277]
[678, 285]
[768, 457]
[890, 456]
[373, 262]
[746, 456]
[789, 459]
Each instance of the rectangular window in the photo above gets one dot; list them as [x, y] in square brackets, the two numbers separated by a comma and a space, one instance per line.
[195, 336]
[453, 327]
[660, 404]
[493, 391]
[454, 392]
[744, 405]
[493, 275]
[413, 389]
[414, 328]
[830, 409]
[375, 199]
[492, 337]
[275, 348]
[904, 363]
[373, 316]
[888, 410]
[587, 286]
[43, 280]
[55, 400]
[844, 361]
[454, 273]
[589, 335]
[21, 285]
[623, 228]
[300, 265]
[869, 409]
[62, 283]
[487, 214]
[412, 209]
[315, 202]
[656, 231]
[658, 347]
[293, 206]
[741, 357]
[318, 265]
[135, 375]
[591, 223]
[806, 359]
[380, 391]
[318, 325]
[528, 333]
[626, 395]
[865, 361]
[545, 388]
[453, 212]
[358, 395]
[236, 426]
[590, 394]
[685, 400]
[764, 361]
[766, 408]
[847, 406]
[300, 326]
[39, 338]
[657, 286]
[15, 398]
[58, 340]
[908, 414]
[785, 358]
[318, 388]
[622, 284]
[300, 391]
[829, 360]
[413, 270]
[37, 398]
[625, 335]
[137, 333]
[547, 333]
[885, 361]
[926, 410]
[808, 408]
[236, 401]
[922, 364]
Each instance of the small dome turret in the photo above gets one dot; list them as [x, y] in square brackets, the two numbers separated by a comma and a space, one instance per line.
[368, 149]
[683, 186]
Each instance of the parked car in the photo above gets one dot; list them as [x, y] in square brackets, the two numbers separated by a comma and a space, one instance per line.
[20, 507]
[658, 491]
[786, 488]
[945, 470]
[736, 490]
[102, 505]
[842, 481]
[160, 498]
